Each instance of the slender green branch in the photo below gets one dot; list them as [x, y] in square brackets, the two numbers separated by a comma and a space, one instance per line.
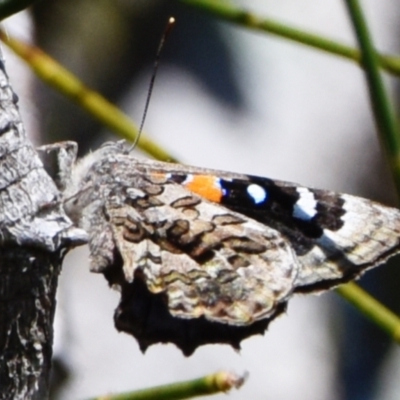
[10, 7]
[384, 115]
[210, 384]
[389, 133]
[68, 84]
[371, 308]
[228, 12]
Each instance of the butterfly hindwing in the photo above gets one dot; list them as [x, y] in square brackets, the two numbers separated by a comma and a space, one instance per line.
[208, 260]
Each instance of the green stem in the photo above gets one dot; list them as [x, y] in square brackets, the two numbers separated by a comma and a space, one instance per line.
[210, 384]
[389, 133]
[384, 115]
[228, 12]
[371, 308]
[96, 105]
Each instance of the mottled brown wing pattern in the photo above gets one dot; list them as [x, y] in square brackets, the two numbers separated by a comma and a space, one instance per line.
[208, 260]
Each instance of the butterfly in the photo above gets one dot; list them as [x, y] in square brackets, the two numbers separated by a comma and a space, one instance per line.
[203, 256]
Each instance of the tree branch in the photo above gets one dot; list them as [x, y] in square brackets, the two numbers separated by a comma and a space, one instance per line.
[35, 234]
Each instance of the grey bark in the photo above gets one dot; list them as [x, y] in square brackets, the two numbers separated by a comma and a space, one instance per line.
[35, 234]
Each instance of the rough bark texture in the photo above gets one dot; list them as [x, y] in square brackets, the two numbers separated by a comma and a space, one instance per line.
[34, 235]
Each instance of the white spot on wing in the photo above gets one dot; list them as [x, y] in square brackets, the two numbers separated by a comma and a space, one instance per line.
[306, 206]
[257, 193]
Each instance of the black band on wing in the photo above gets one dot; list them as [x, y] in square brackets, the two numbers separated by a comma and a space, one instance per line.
[276, 208]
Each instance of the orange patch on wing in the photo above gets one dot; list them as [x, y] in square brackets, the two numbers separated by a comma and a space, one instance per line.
[204, 186]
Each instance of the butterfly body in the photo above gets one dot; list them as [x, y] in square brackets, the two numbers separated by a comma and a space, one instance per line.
[204, 256]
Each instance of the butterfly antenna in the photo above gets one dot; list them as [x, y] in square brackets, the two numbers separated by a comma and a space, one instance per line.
[167, 31]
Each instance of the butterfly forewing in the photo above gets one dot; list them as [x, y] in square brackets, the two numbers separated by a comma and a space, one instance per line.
[335, 236]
